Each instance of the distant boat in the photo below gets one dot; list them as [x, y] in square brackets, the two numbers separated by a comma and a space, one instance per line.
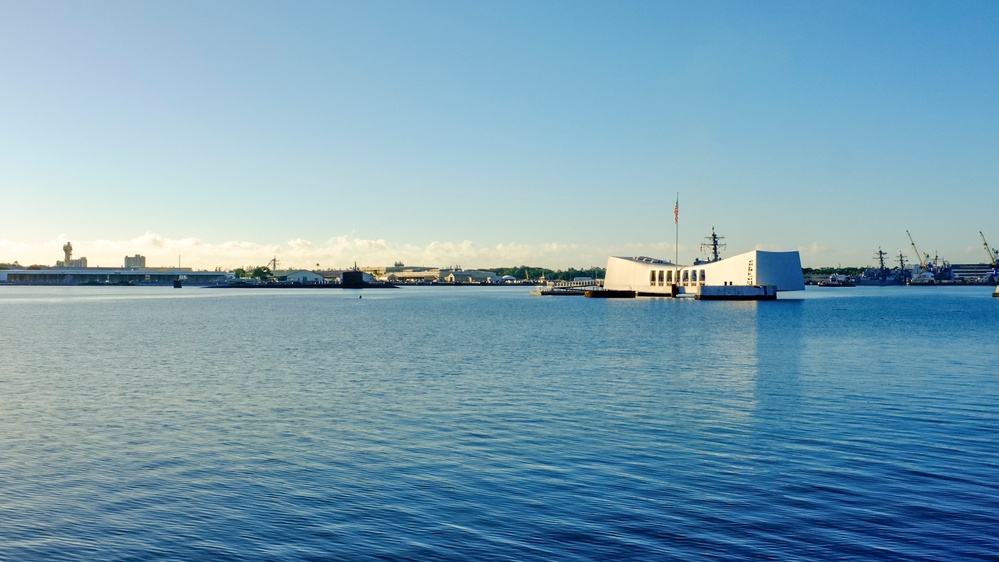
[177, 283]
[836, 280]
[881, 276]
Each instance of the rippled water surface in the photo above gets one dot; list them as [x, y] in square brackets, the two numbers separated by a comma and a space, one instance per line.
[482, 423]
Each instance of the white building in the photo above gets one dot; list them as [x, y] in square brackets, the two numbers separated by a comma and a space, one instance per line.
[411, 274]
[135, 261]
[656, 277]
[472, 276]
[109, 276]
[305, 276]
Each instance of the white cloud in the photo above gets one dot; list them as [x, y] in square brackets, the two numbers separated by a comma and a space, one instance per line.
[337, 252]
[812, 250]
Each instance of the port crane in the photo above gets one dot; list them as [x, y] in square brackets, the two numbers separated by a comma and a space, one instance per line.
[993, 254]
[922, 262]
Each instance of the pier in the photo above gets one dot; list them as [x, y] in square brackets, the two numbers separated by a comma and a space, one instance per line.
[568, 288]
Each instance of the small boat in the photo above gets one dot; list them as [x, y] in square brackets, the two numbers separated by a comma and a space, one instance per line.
[996, 293]
[177, 283]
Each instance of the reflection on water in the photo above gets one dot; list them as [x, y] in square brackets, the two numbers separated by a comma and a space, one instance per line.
[779, 345]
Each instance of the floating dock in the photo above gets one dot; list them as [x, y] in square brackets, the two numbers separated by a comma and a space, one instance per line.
[558, 292]
[568, 288]
[736, 293]
[610, 294]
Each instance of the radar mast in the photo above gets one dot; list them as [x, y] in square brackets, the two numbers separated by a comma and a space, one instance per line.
[713, 246]
[880, 256]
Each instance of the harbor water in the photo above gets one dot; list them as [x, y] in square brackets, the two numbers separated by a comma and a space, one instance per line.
[480, 423]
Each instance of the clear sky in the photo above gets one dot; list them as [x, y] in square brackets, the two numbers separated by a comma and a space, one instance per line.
[475, 133]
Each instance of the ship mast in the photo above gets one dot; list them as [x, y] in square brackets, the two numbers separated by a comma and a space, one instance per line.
[880, 256]
[713, 246]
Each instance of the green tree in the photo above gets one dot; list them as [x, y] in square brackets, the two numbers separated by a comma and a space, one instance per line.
[534, 273]
[832, 270]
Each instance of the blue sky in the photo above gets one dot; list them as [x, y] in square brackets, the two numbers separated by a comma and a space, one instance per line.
[495, 133]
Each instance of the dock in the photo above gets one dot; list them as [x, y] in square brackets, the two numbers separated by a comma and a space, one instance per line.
[568, 288]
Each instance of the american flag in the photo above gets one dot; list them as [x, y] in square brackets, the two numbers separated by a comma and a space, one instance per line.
[676, 211]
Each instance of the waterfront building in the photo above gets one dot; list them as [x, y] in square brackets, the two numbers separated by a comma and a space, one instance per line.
[424, 276]
[413, 275]
[336, 275]
[109, 276]
[79, 263]
[655, 277]
[400, 273]
[973, 272]
[69, 271]
[303, 276]
[473, 276]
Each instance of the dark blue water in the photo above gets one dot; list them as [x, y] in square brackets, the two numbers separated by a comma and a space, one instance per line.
[483, 423]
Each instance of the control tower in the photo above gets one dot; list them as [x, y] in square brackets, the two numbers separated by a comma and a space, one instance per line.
[67, 250]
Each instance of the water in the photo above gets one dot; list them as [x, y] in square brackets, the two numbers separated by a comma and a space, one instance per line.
[482, 423]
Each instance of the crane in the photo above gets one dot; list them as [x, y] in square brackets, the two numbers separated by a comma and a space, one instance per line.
[922, 262]
[993, 254]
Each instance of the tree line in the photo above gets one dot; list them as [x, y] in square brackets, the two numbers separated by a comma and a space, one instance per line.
[852, 271]
[524, 272]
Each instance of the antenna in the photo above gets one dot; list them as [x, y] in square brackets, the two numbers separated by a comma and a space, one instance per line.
[713, 246]
[880, 256]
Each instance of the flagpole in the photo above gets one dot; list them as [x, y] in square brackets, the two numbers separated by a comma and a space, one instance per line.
[676, 240]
